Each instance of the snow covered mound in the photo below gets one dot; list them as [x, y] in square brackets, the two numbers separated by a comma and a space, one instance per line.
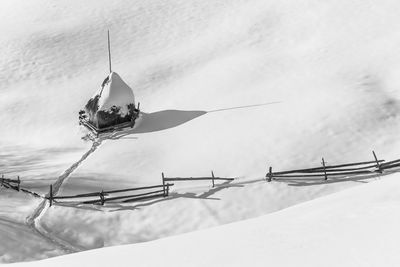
[112, 104]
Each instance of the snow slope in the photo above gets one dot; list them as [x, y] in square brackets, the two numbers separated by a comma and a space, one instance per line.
[356, 227]
[230, 86]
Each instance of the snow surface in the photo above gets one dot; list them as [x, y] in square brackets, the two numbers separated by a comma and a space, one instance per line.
[115, 93]
[356, 227]
[230, 86]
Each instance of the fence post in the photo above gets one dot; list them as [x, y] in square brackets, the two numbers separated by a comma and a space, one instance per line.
[269, 174]
[19, 182]
[2, 179]
[102, 197]
[51, 195]
[323, 164]
[163, 182]
[212, 174]
[167, 189]
[378, 165]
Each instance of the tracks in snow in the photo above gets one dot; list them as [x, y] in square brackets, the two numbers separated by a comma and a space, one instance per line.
[33, 221]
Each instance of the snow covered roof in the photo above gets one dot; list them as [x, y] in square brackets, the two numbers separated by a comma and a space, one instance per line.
[114, 92]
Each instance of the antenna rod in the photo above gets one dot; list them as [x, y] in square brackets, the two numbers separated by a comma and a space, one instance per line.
[109, 50]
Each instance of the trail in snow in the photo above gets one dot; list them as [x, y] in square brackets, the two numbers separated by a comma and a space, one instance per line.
[33, 221]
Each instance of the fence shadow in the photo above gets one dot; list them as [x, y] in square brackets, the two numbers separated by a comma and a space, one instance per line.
[176, 195]
[362, 178]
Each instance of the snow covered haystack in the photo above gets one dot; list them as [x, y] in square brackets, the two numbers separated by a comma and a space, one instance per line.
[113, 104]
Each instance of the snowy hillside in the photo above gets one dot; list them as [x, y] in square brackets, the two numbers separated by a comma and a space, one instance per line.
[229, 86]
[357, 227]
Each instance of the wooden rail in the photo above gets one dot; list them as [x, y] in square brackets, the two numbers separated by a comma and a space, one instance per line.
[359, 168]
[11, 183]
[103, 195]
[212, 178]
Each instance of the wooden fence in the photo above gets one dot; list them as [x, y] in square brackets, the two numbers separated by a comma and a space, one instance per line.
[343, 170]
[143, 193]
[106, 196]
[10, 183]
[212, 178]
[157, 191]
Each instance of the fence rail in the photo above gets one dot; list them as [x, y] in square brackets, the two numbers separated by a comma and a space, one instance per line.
[360, 168]
[10, 183]
[103, 195]
[157, 191]
[212, 178]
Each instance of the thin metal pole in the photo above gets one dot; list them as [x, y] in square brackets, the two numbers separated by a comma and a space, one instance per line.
[109, 50]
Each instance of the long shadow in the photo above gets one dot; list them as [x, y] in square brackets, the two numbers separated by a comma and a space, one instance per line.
[159, 121]
[247, 106]
[167, 119]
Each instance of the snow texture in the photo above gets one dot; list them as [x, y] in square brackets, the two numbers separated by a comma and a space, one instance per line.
[229, 86]
[356, 227]
[115, 92]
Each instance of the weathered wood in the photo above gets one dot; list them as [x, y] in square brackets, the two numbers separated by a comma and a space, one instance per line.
[322, 174]
[163, 182]
[390, 162]
[135, 189]
[97, 131]
[377, 162]
[80, 196]
[269, 175]
[10, 180]
[123, 197]
[6, 185]
[102, 199]
[348, 169]
[323, 165]
[390, 166]
[198, 179]
[320, 169]
[51, 195]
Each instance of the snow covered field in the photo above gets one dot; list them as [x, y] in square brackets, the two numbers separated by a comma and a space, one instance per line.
[230, 86]
[357, 227]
